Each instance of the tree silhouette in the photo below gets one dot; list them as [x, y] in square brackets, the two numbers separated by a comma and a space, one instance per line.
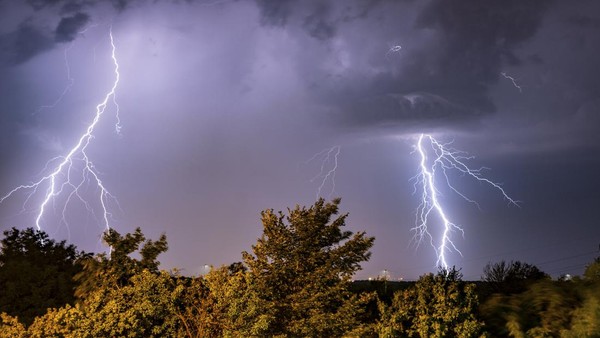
[36, 273]
[118, 268]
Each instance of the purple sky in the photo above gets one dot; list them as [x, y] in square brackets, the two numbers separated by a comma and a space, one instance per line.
[223, 104]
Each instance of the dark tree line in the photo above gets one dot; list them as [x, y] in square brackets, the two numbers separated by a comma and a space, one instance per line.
[294, 282]
[36, 273]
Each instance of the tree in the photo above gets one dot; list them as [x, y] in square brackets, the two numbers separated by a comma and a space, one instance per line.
[118, 268]
[36, 273]
[146, 307]
[563, 308]
[219, 304]
[585, 320]
[299, 273]
[10, 327]
[592, 271]
[512, 277]
[120, 295]
[440, 305]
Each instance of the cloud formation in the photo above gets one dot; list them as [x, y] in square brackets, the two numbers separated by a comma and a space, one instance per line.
[69, 27]
[222, 100]
[451, 54]
[25, 42]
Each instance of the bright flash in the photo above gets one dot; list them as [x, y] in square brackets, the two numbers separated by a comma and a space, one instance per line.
[70, 174]
[437, 159]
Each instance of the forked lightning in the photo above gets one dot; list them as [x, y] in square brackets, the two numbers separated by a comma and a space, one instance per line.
[437, 159]
[329, 165]
[69, 174]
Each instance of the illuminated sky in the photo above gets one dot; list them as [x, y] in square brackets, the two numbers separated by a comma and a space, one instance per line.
[223, 104]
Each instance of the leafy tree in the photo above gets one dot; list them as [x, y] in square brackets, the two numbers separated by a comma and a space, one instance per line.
[36, 273]
[585, 319]
[543, 310]
[592, 271]
[121, 295]
[197, 312]
[67, 322]
[146, 307]
[535, 306]
[10, 327]
[118, 268]
[512, 277]
[299, 273]
[564, 308]
[219, 304]
[439, 305]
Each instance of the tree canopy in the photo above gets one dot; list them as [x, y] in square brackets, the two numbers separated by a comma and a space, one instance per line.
[300, 269]
[295, 281]
[36, 273]
[440, 305]
[119, 266]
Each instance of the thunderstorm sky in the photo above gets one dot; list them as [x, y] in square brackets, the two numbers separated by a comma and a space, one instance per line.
[224, 104]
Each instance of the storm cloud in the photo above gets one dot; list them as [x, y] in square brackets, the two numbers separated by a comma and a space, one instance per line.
[223, 104]
[24, 43]
[442, 77]
[68, 27]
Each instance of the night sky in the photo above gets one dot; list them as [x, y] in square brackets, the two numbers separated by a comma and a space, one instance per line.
[223, 105]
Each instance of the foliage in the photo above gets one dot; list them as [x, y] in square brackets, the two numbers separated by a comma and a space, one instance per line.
[120, 296]
[146, 307]
[65, 322]
[36, 273]
[543, 310]
[10, 327]
[512, 277]
[585, 319]
[221, 304]
[592, 271]
[118, 268]
[439, 305]
[294, 283]
[299, 273]
[546, 309]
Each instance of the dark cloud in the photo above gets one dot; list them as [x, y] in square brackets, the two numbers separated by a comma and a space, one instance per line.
[317, 18]
[584, 21]
[469, 44]
[40, 4]
[453, 53]
[223, 101]
[68, 27]
[29, 40]
[121, 5]
[317, 26]
[414, 110]
[39, 31]
[479, 35]
[73, 7]
[275, 12]
[24, 43]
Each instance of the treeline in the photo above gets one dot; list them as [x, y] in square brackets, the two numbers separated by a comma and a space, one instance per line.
[294, 282]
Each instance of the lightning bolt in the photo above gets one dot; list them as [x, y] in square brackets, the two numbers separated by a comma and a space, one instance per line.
[329, 165]
[438, 159]
[63, 177]
[513, 80]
